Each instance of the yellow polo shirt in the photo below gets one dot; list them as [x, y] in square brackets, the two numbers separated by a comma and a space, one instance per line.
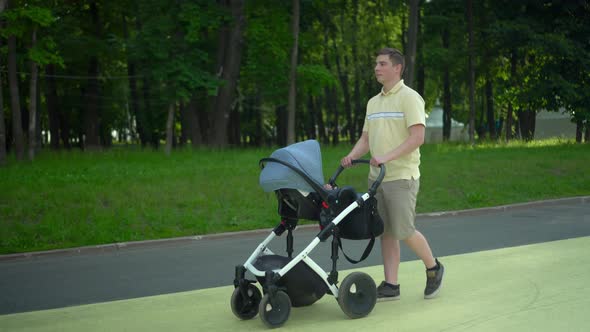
[389, 115]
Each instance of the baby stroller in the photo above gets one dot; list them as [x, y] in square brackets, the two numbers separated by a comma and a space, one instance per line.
[294, 173]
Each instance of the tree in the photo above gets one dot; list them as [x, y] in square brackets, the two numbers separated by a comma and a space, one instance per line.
[412, 41]
[2, 125]
[229, 66]
[33, 101]
[293, 74]
[158, 70]
[92, 112]
[22, 19]
[17, 128]
[471, 71]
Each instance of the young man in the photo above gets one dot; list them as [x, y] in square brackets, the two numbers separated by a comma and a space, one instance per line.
[393, 132]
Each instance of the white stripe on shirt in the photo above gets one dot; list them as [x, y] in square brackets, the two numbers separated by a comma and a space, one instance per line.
[380, 115]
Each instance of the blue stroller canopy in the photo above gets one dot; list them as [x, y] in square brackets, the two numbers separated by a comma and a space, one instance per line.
[304, 156]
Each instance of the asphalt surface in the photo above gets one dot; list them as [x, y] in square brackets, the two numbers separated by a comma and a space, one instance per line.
[37, 281]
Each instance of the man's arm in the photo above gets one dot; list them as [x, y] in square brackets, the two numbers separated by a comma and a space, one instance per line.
[414, 141]
[360, 149]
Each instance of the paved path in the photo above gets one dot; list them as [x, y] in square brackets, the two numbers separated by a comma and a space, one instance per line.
[114, 273]
[533, 288]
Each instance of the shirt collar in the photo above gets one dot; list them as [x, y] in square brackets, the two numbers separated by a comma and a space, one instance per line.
[393, 90]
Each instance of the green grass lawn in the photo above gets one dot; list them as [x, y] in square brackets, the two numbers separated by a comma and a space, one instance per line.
[67, 199]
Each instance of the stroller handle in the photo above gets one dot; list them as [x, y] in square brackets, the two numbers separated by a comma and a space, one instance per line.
[375, 185]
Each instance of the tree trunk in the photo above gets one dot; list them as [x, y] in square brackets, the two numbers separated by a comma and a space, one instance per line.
[291, 106]
[332, 107]
[259, 135]
[447, 101]
[579, 130]
[311, 111]
[234, 127]
[230, 73]
[184, 127]
[343, 76]
[509, 122]
[33, 103]
[480, 128]
[491, 116]
[510, 115]
[403, 32]
[135, 110]
[148, 126]
[131, 72]
[526, 123]
[321, 124]
[192, 123]
[281, 125]
[39, 132]
[2, 126]
[2, 123]
[91, 116]
[471, 73]
[17, 127]
[420, 71]
[52, 108]
[587, 132]
[169, 129]
[358, 111]
[412, 41]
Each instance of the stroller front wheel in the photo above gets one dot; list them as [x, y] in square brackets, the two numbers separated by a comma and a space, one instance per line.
[357, 295]
[275, 312]
[245, 308]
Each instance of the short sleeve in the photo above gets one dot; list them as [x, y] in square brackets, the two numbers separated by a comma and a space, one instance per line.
[413, 107]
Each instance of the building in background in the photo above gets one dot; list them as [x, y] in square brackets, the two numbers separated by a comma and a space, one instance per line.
[554, 124]
[434, 128]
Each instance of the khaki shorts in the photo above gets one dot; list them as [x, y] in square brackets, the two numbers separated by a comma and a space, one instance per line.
[396, 201]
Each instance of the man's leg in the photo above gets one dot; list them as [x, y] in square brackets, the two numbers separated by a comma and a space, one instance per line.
[390, 251]
[417, 242]
[434, 270]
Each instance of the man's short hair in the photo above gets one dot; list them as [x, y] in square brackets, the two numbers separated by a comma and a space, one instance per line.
[395, 56]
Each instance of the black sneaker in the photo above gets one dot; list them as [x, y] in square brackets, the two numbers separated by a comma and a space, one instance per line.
[434, 281]
[387, 292]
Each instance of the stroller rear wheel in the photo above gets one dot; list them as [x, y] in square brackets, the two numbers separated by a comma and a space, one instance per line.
[246, 308]
[357, 295]
[275, 312]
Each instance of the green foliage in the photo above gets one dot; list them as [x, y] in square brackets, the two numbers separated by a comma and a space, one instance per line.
[45, 52]
[202, 16]
[174, 48]
[21, 21]
[314, 78]
[265, 68]
[21, 18]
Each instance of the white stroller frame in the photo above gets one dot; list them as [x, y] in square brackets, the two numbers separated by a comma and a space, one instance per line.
[245, 296]
[304, 255]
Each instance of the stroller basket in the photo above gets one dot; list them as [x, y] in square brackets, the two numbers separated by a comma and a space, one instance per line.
[301, 283]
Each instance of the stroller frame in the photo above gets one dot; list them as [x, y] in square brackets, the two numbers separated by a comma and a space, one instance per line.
[274, 307]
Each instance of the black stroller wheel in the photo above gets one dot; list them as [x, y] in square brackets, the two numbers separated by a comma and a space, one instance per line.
[246, 308]
[357, 295]
[276, 312]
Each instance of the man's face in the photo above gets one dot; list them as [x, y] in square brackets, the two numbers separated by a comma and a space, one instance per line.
[385, 70]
